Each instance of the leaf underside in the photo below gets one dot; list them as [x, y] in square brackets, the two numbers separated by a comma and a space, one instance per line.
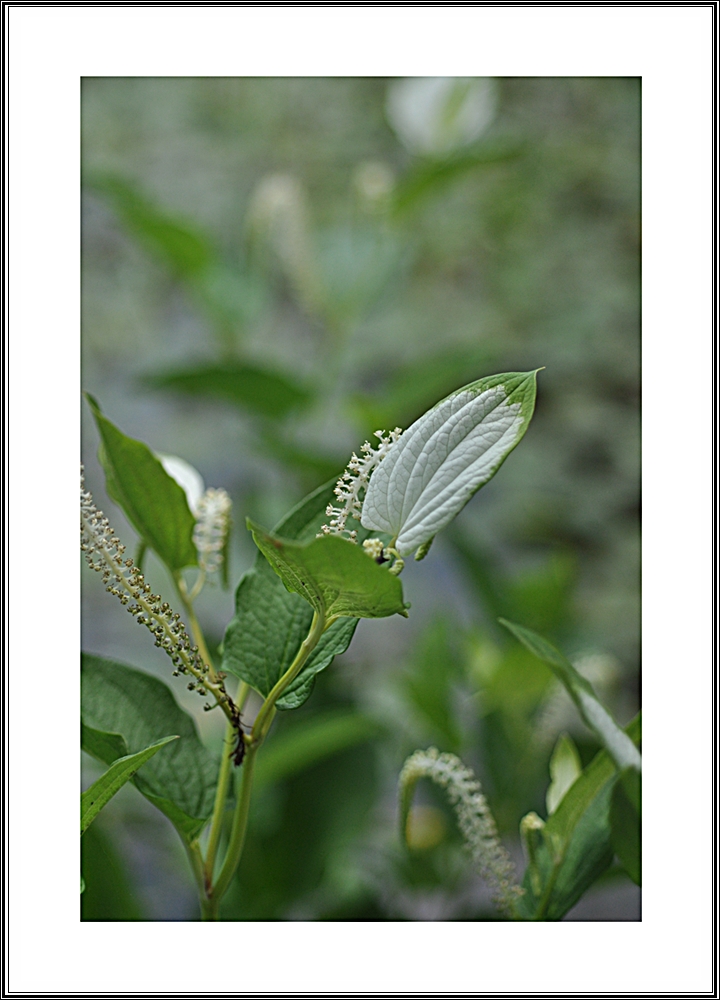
[444, 458]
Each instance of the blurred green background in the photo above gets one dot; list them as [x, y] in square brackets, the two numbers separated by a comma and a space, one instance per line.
[272, 270]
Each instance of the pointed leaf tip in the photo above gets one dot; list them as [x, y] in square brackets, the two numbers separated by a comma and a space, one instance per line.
[444, 458]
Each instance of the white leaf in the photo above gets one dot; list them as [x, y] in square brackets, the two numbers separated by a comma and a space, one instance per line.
[565, 769]
[440, 461]
[437, 115]
[187, 476]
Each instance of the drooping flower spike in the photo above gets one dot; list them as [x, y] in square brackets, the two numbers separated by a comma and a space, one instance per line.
[474, 817]
[105, 554]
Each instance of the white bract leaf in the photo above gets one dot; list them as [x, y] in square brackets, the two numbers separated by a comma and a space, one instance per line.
[439, 462]
[185, 475]
[438, 115]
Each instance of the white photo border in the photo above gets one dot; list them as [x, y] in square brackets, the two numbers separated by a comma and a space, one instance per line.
[49, 49]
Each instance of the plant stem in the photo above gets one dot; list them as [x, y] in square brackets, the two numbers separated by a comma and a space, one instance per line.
[194, 624]
[262, 724]
[237, 835]
[192, 849]
[197, 586]
[265, 715]
[231, 736]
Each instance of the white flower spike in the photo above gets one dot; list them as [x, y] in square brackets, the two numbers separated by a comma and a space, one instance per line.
[437, 464]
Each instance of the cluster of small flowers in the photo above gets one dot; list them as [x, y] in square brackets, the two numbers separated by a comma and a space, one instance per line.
[211, 529]
[475, 820]
[104, 553]
[353, 482]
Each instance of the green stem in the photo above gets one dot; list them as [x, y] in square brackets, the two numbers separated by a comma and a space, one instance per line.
[197, 586]
[231, 735]
[237, 834]
[262, 724]
[196, 865]
[265, 715]
[194, 624]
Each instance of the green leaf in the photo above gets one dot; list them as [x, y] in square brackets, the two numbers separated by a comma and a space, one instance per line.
[262, 639]
[185, 249]
[103, 746]
[317, 738]
[248, 388]
[599, 771]
[119, 699]
[444, 458]
[431, 178]
[155, 504]
[576, 846]
[625, 822]
[357, 264]
[593, 714]
[405, 394]
[270, 623]
[334, 575]
[109, 893]
[430, 680]
[565, 769]
[102, 790]
[541, 597]
[313, 466]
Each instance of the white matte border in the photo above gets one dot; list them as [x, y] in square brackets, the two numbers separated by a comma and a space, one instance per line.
[50, 49]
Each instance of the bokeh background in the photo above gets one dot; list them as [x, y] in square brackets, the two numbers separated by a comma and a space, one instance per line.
[275, 268]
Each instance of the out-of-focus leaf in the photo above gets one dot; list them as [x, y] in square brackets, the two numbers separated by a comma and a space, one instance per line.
[108, 892]
[444, 458]
[155, 504]
[334, 575]
[245, 386]
[103, 746]
[431, 178]
[541, 597]
[307, 835]
[625, 822]
[595, 716]
[318, 737]
[233, 299]
[415, 387]
[101, 791]
[263, 638]
[428, 683]
[576, 845]
[181, 781]
[600, 770]
[357, 265]
[185, 249]
[565, 769]
[315, 467]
